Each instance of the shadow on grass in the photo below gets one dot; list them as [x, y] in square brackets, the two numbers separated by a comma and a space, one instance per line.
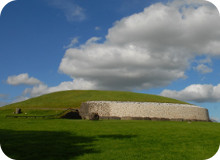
[117, 136]
[50, 145]
[44, 145]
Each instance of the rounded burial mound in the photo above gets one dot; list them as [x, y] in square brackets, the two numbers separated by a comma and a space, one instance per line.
[74, 98]
[143, 110]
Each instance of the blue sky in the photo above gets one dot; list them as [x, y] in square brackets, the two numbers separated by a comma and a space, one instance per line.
[169, 48]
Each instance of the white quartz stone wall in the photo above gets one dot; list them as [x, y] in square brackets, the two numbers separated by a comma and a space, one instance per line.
[143, 110]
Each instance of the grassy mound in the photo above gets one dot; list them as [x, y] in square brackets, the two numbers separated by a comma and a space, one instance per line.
[74, 98]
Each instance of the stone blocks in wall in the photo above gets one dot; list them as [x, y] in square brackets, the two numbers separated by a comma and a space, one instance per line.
[144, 110]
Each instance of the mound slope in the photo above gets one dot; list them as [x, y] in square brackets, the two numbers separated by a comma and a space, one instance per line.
[74, 98]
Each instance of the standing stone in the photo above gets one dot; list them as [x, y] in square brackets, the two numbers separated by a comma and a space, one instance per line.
[18, 111]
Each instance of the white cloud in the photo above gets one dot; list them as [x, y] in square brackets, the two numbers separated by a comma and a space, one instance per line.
[196, 92]
[206, 60]
[22, 79]
[147, 49]
[92, 41]
[203, 65]
[72, 11]
[73, 42]
[69, 85]
[202, 68]
[36, 90]
[19, 99]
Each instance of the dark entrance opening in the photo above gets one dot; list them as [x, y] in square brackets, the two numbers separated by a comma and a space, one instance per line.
[72, 114]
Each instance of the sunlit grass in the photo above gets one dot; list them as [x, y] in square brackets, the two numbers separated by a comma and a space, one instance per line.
[63, 139]
[108, 139]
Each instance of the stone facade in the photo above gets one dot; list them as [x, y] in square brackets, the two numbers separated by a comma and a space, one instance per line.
[143, 110]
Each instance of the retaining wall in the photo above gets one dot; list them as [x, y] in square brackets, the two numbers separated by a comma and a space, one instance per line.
[143, 110]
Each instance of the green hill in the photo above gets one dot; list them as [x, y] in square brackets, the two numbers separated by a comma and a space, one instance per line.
[74, 98]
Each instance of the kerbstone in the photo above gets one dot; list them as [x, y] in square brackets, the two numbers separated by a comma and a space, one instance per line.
[143, 110]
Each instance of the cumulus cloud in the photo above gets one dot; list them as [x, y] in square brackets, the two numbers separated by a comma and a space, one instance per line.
[206, 60]
[20, 98]
[148, 49]
[68, 85]
[196, 92]
[203, 65]
[22, 79]
[73, 42]
[202, 68]
[72, 11]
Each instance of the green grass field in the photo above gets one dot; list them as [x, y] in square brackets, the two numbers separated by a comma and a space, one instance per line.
[63, 139]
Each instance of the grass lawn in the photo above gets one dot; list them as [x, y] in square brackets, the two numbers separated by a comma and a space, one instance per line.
[62, 139]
